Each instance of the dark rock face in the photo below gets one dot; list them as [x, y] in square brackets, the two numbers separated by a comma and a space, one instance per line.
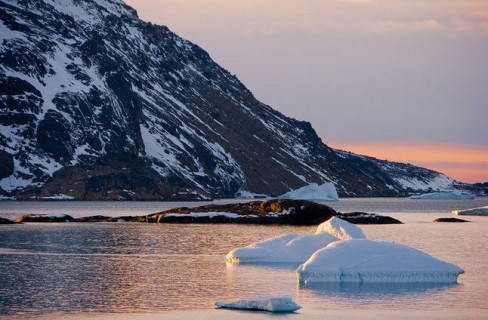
[97, 219]
[450, 220]
[367, 218]
[6, 221]
[54, 137]
[45, 218]
[7, 167]
[99, 105]
[292, 212]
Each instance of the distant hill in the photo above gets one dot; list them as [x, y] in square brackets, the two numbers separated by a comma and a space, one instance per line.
[98, 104]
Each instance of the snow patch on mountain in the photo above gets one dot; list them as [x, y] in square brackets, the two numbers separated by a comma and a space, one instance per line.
[439, 182]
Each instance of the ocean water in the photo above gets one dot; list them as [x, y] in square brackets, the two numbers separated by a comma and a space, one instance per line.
[149, 271]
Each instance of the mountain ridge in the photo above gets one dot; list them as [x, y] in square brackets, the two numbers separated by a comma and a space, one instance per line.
[97, 104]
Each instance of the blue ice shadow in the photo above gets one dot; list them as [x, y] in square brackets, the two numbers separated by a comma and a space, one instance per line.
[376, 290]
[266, 265]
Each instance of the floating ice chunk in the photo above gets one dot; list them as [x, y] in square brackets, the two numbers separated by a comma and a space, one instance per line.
[295, 248]
[324, 192]
[250, 195]
[367, 261]
[287, 248]
[444, 195]
[58, 197]
[481, 211]
[269, 303]
[341, 229]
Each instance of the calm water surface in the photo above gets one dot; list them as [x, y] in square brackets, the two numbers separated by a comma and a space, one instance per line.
[127, 270]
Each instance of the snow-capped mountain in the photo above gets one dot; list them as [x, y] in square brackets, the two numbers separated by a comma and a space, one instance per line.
[98, 104]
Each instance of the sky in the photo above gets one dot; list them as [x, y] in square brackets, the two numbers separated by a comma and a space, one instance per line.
[400, 80]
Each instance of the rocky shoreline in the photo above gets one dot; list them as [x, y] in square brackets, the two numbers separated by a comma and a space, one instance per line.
[277, 211]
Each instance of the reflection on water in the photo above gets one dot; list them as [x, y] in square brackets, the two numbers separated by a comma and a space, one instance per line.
[376, 290]
[126, 268]
[110, 267]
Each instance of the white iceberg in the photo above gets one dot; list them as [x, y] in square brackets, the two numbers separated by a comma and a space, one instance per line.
[287, 248]
[481, 211]
[340, 229]
[296, 248]
[444, 195]
[324, 192]
[367, 261]
[243, 194]
[269, 303]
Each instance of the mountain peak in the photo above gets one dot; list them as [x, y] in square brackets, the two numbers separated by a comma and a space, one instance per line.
[98, 104]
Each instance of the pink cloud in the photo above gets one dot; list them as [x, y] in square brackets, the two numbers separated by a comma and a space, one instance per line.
[392, 26]
[469, 25]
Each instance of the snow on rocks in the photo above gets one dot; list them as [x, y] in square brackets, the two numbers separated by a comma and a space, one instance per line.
[324, 192]
[295, 248]
[58, 197]
[444, 195]
[367, 261]
[276, 211]
[481, 211]
[267, 303]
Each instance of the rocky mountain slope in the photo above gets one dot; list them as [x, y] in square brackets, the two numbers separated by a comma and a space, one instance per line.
[98, 104]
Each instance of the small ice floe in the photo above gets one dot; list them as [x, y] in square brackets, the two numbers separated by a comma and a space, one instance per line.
[269, 303]
[367, 261]
[58, 197]
[324, 192]
[296, 248]
[481, 211]
[242, 194]
[444, 195]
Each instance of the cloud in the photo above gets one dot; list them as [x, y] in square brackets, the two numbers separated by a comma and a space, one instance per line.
[274, 18]
[360, 1]
[392, 26]
[470, 25]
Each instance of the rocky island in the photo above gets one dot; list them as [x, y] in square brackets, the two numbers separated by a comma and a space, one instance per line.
[276, 211]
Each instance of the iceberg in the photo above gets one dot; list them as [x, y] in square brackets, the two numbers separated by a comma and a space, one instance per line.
[340, 229]
[367, 261]
[444, 195]
[287, 248]
[324, 192]
[268, 303]
[296, 248]
[481, 211]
